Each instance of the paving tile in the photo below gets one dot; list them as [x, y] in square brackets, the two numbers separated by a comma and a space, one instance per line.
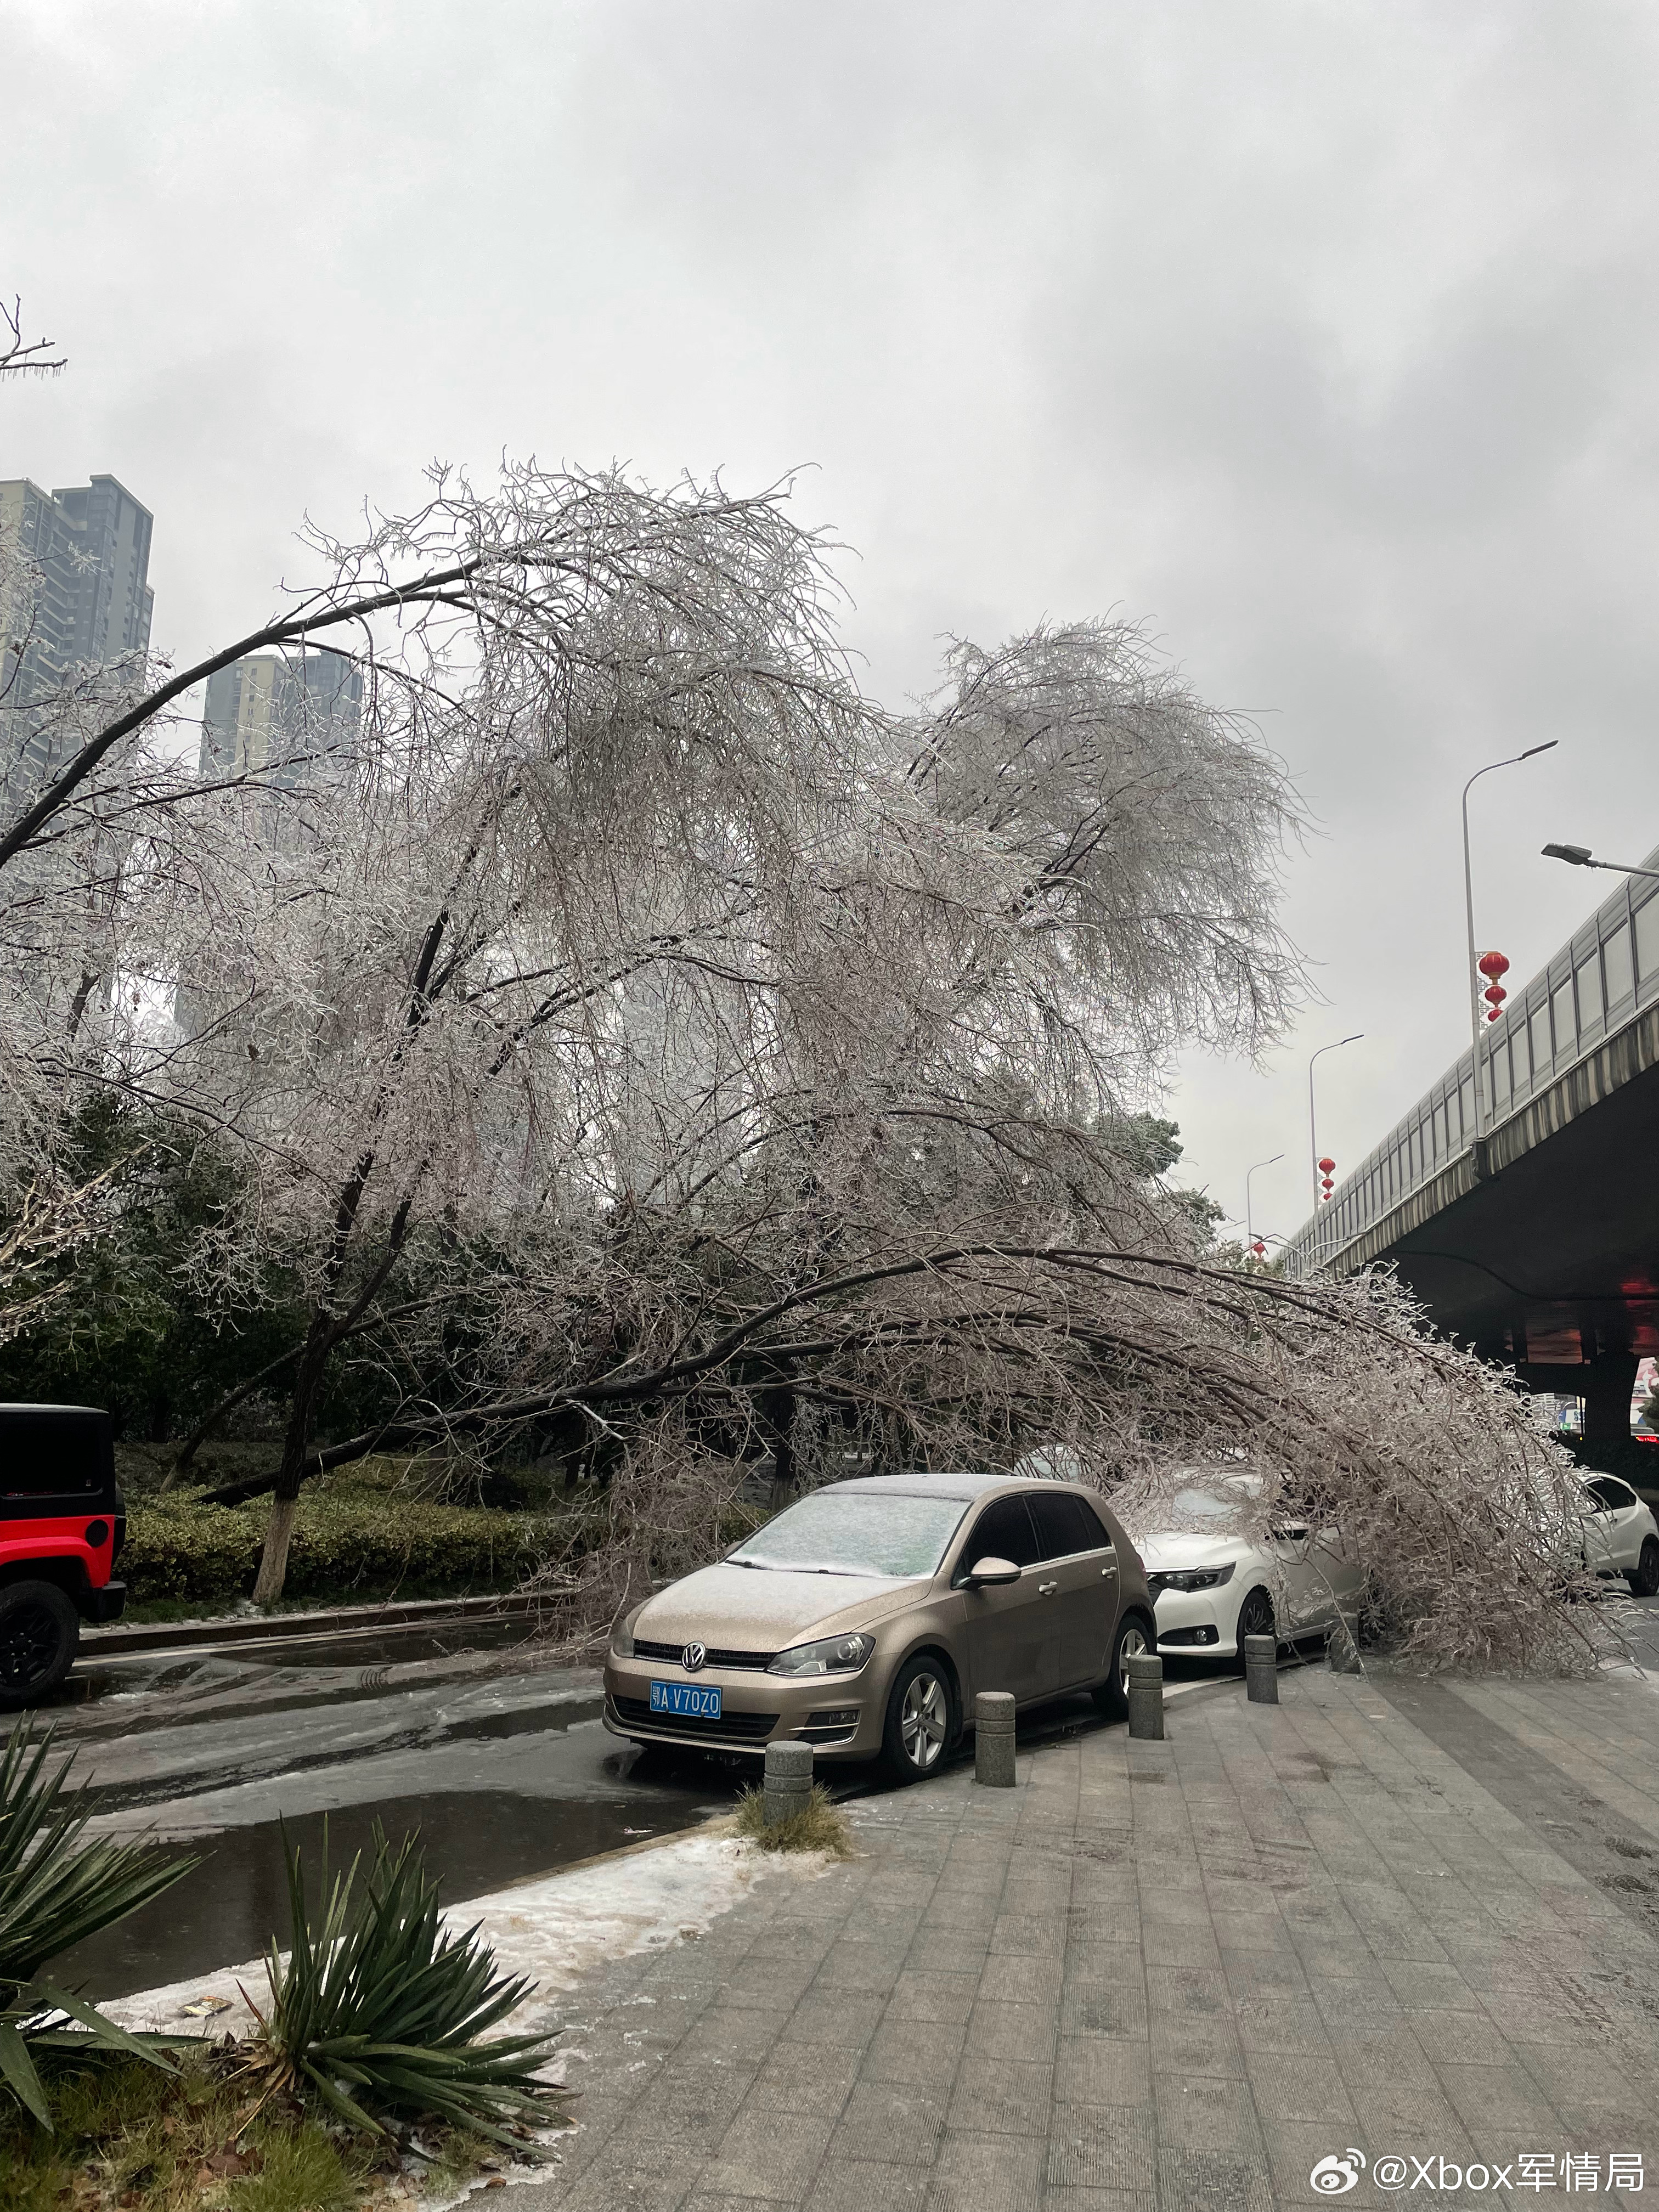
[807, 2077]
[1097, 2069]
[1017, 1978]
[860, 2186]
[891, 2124]
[845, 2017]
[1001, 2096]
[1100, 2146]
[1298, 2087]
[922, 2053]
[976, 2172]
[1213, 2181]
[918, 1996]
[1008, 2031]
[758, 2158]
[1203, 2112]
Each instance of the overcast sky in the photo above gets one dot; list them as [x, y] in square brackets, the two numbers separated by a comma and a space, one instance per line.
[1319, 336]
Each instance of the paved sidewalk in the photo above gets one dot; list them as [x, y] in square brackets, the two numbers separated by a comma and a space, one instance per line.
[1173, 1975]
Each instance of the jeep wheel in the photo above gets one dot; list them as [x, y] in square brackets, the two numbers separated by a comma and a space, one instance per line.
[38, 1633]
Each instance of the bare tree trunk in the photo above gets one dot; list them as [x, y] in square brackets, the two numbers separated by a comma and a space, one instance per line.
[320, 1340]
[777, 1410]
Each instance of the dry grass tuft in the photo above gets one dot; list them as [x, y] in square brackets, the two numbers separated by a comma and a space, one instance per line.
[820, 1826]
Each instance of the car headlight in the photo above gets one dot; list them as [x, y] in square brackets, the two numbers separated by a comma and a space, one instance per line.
[833, 1655]
[621, 1638]
[1191, 1578]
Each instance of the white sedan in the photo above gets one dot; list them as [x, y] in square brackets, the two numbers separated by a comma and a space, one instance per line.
[1220, 1576]
[1621, 1536]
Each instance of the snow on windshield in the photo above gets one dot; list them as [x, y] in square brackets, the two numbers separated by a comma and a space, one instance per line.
[857, 1532]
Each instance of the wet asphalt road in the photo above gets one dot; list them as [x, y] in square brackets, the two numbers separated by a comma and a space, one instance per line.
[500, 1760]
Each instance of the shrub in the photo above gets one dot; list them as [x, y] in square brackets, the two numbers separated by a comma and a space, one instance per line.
[377, 2006]
[55, 1890]
[345, 1540]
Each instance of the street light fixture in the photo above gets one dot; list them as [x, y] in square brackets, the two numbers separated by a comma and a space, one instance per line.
[1579, 856]
[1513, 761]
[1313, 1134]
[1249, 1222]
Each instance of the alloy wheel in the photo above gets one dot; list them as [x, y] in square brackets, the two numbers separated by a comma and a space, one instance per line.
[924, 1719]
[1255, 1617]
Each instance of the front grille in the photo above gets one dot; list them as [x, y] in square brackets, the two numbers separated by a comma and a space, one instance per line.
[756, 1661]
[731, 1728]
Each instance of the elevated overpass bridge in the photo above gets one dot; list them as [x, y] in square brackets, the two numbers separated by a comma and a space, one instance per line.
[1538, 1240]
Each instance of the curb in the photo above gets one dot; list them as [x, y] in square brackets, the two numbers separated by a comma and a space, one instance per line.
[115, 1641]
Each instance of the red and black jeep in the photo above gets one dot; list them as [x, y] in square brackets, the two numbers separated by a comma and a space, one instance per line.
[62, 1526]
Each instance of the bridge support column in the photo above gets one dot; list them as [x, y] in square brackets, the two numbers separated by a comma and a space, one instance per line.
[1608, 1380]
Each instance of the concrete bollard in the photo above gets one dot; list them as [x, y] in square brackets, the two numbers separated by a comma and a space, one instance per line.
[1342, 1652]
[788, 1782]
[1146, 1696]
[993, 1739]
[1261, 1669]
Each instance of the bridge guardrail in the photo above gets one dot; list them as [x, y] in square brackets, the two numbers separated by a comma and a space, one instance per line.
[1605, 973]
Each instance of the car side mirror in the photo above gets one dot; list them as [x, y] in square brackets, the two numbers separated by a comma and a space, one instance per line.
[991, 1574]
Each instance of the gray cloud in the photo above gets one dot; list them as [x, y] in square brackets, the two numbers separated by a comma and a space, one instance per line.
[1323, 338]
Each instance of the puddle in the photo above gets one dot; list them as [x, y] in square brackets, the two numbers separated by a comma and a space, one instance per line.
[475, 1841]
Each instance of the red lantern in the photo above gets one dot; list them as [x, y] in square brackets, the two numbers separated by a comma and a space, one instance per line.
[1328, 1168]
[1261, 1251]
[1494, 995]
[1492, 965]
[1493, 1015]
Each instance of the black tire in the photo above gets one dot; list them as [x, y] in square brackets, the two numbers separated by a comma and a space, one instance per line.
[1135, 1633]
[1255, 1618]
[40, 1631]
[924, 1719]
[1644, 1577]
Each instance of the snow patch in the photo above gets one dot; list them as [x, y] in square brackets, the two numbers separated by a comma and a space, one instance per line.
[555, 1930]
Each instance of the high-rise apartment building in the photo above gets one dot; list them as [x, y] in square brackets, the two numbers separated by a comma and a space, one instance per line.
[74, 590]
[290, 718]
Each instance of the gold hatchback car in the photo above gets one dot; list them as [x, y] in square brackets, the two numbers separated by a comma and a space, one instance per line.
[865, 1620]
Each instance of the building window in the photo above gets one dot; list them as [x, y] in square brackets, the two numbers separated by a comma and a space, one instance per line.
[1588, 979]
[1616, 966]
[1538, 1030]
[1566, 1028]
[1647, 942]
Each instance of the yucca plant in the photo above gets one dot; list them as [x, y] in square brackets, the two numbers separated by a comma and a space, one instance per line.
[377, 2006]
[55, 1890]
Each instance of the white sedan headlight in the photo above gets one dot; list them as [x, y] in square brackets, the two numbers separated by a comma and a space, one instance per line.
[833, 1654]
[1191, 1578]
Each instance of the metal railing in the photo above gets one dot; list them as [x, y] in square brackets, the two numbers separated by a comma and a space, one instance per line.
[1598, 981]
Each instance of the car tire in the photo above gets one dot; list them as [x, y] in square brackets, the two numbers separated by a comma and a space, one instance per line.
[1255, 1618]
[40, 1632]
[1644, 1576]
[923, 1719]
[1134, 1635]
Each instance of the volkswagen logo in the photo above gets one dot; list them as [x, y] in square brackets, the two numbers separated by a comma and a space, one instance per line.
[693, 1657]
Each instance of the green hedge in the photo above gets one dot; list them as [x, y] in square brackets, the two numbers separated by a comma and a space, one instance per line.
[367, 1543]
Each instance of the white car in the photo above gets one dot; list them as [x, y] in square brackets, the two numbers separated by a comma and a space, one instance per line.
[1233, 1580]
[1621, 1536]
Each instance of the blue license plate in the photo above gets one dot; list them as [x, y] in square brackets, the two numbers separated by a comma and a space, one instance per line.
[680, 1697]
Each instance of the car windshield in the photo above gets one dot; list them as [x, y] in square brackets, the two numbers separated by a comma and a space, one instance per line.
[857, 1532]
[1220, 1504]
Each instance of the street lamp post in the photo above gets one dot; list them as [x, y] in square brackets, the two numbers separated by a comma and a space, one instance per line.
[1249, 1219]
[1513, 761]
[1579, 856]
[1313, 1128]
